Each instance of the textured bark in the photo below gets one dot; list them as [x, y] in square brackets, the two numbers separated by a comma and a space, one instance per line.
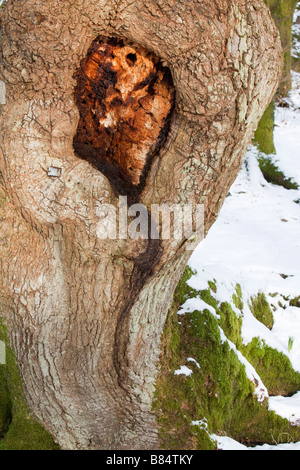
[85, 315]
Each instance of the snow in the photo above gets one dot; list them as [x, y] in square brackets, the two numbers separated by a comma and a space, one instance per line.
[296, 32]
[226, 443]
[251, 243]
[287, 407]
[260, 390]
[184, 370]
[196, 304]
[202, 423]
[256, 242]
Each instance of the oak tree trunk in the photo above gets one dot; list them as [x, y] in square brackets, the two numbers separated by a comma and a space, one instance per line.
[78, 129]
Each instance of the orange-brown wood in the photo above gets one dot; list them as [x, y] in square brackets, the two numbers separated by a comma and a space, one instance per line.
[125, 98]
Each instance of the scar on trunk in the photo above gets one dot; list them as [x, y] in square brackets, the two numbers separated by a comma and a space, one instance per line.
[125, 98]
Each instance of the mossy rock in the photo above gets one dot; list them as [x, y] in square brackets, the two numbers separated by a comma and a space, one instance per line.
[237, 297]
[183, 290]
[264, 134]
[207, 296]
[261, 310]
[273, 175]
[5, 404]
[273, 367]
[295, 302]
[264, 139]
[230, 323]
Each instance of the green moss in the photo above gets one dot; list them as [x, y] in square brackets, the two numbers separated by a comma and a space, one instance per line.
[261, 310]
[5, 404]
[237, 297]
[19, 430]
[218, 394]
[273, 175]
[175, 403]
[230, 323]
[273, 367]
[290, 343]
[207, 393]
[208, 298]
[264, 139]
[213, 286]
[183, 290]
[264, 135]
[295, 302]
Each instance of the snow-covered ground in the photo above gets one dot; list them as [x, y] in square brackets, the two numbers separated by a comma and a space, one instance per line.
[296, 32]
[226, 443]
[256, 243]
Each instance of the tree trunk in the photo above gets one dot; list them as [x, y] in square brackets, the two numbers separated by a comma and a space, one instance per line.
[85, 314]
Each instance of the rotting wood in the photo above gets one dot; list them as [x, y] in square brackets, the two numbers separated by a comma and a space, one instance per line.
[125, 97]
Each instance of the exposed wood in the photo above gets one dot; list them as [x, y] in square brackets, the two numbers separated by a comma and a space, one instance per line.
[125, 98]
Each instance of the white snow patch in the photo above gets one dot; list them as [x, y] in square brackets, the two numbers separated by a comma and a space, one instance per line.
[196, 303]
[191, 359]
[202, 423]
[184, 370]
[226, 443]
[287, 407]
